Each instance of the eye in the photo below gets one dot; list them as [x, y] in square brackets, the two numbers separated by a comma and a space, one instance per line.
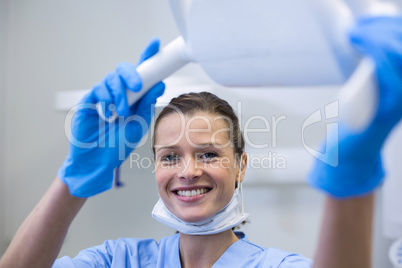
[208, 156]
[170, 158]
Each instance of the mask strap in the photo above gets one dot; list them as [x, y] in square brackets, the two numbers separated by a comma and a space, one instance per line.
[240, 185]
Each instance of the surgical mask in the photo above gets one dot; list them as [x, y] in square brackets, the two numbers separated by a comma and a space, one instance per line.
[228, 217]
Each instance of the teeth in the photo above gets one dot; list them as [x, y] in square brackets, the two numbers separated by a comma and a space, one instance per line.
[192, 192]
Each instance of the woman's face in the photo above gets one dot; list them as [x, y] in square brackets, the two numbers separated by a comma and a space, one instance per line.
[195, 165]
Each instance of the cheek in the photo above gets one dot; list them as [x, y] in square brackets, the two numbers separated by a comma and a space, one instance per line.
[163, 176]
[160, 179]
[225, 179]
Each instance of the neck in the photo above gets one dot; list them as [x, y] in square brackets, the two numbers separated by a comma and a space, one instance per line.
[204, 250]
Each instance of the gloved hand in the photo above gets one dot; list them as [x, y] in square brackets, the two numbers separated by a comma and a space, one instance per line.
[98, 146]
[359, 170]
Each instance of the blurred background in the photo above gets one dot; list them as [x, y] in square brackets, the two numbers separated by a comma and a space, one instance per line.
[50, 47]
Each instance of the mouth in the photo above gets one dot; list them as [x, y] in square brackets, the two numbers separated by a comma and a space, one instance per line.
[192, 192]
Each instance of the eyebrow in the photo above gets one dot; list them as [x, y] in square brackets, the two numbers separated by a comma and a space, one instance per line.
[162, 147]
[208, 144]
[201, 145]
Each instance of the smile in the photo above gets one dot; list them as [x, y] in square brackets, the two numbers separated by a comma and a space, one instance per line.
[192, 192]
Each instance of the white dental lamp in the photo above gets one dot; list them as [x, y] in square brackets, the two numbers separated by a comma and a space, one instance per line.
[272, 43]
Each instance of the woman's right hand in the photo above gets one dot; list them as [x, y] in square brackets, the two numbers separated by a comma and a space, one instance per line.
[99, 145]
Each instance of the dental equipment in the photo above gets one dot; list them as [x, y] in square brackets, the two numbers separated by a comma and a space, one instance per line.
[272, 43]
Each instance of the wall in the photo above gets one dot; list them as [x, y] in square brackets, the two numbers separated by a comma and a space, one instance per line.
[3, 33]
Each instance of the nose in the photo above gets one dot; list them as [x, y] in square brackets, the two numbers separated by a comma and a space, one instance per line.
[190, 169]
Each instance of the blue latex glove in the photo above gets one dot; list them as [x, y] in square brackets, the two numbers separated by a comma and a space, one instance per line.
[100, 146]
[359, 170]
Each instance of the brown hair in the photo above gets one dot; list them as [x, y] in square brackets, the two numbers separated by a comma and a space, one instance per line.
[191, 103]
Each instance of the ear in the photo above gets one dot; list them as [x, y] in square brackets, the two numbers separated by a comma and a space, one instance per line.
[243, 166]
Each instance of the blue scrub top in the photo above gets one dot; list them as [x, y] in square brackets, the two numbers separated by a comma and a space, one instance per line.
[132, 252]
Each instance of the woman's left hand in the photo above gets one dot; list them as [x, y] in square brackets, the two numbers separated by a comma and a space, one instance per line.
[359, 170]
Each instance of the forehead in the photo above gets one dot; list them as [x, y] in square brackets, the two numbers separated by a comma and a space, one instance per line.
[199, 128]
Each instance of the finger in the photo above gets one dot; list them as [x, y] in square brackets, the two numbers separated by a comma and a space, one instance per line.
[144, 105]
[389, 76]
[384, 23]
[389, 79]
[99, 95]
[129, 76]
[151, 49]
[137, 128]
[117, 90]
[378, 32]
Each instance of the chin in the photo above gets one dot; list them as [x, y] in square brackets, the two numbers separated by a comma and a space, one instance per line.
[193, 218]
